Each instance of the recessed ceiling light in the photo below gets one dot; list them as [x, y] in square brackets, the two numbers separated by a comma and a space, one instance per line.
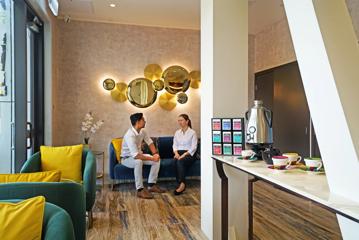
[112, 5]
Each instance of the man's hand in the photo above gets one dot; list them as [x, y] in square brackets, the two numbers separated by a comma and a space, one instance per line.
[177, 156]
[156, 157]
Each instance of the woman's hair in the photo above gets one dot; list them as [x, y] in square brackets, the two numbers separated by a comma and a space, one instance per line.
[185, 117]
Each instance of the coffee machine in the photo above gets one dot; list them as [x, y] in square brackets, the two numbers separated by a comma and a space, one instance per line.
[259, 132]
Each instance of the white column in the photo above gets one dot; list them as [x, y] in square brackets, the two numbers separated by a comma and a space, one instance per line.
[224, 93]
[328, 57]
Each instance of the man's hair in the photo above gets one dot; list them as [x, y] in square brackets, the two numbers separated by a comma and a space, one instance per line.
[135, 118]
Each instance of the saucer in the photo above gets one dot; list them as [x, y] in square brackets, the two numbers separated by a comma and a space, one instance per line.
[312, 170]
[253, 159]
[282, 169]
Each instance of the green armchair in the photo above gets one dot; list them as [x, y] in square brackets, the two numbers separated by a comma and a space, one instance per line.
[68, 196]
[57, 223]
[33, 164]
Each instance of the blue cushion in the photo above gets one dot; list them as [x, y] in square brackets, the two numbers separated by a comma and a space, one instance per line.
[165, 147]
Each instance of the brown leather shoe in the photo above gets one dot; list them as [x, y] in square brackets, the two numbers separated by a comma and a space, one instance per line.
[156, 189]
[144, 194]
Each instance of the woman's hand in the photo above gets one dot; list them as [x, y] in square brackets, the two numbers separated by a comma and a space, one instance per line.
[183, 156]
[177, 156]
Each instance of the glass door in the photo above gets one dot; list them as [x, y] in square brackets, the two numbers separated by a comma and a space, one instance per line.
[6, 89]
[28, 83]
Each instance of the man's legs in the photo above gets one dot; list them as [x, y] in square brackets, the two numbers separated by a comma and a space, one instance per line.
[137, 165]
[155, 168]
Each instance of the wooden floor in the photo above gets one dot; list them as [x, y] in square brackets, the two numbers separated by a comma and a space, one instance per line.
[278, 215]
[121, 215]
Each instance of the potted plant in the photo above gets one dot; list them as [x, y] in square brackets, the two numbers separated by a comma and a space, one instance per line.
[89, 127]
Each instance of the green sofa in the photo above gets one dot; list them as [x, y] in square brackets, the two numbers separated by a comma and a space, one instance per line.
[33, 164]
[57, 223]
[68, 196]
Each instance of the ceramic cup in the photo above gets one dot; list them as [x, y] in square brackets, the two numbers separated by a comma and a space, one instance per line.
[294, 158]
[280, 161]
[247, 154]
[313, 163]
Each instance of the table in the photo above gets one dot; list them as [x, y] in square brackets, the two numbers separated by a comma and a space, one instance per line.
[102, 174]
[296, 182]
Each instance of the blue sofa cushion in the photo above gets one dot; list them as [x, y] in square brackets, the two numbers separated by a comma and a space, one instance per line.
[165, 147]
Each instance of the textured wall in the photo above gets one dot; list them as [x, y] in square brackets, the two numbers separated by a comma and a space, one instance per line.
[90, 52]
[274, 47]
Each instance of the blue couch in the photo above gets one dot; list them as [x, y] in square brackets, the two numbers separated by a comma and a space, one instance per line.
[164, 145]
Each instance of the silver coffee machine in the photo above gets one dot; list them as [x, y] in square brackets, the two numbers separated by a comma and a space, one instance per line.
[259, 132]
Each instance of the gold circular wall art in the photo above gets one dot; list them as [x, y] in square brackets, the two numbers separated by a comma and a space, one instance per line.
[140, 93]
[158, 85]
[167, 101]
[153, 72]
[109, 84]
[182, 98]
[176, 79]
[195, 77]
[119, 92]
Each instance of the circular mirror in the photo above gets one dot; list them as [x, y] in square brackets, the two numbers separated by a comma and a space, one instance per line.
[182, 98]
[140, 93]
[176, 79]
[158, 85]
[108, 84]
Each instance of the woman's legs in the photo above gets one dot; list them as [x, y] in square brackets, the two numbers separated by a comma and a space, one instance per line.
[181, 168]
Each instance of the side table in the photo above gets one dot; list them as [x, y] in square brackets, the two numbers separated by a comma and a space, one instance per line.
[102, 173]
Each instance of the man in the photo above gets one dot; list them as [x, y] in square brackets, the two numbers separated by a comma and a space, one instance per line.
[133, 157]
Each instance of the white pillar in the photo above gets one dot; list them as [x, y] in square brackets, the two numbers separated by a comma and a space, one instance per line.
[328, 57]
[224, 93]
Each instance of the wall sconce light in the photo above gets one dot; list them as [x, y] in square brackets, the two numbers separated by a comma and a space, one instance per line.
[109, 84]
[142, 92]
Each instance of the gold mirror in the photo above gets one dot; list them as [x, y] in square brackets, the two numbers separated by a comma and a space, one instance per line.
[182, 98]
[158, 85]
[176, 79]
[140, 93]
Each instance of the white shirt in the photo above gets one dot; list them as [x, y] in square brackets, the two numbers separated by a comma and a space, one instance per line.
[185, 141]
[132, 141]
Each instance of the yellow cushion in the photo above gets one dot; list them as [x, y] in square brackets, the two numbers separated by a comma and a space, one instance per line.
[48, 176]
[117, 145]
[67, 159]
[22, 220]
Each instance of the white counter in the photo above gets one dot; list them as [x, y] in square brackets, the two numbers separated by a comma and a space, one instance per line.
[308, 185]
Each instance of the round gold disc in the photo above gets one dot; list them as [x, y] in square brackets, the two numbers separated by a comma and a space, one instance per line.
[167, 101]
[153, 71]
[119, 92]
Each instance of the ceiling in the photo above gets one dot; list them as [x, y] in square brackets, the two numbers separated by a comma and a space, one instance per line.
[164, 13]
[161, 13]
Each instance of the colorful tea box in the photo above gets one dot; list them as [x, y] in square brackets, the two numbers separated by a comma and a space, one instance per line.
[216, 136]
[217, 149]
[226, 124]
[237, 124]
[216, 124]
[227, 149]
[237, 149]
[237, 137]
[227, 137]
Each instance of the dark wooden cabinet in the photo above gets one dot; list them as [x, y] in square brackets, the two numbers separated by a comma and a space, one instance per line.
[282, 91]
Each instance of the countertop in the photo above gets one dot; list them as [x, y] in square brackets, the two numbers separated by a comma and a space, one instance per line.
[309, 185]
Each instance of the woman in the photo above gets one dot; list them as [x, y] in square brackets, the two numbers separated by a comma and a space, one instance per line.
[184, 148]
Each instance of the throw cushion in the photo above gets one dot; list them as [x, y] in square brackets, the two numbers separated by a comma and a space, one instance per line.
[48, 176]
[67, 159]
[22, 220]
[117, 145]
